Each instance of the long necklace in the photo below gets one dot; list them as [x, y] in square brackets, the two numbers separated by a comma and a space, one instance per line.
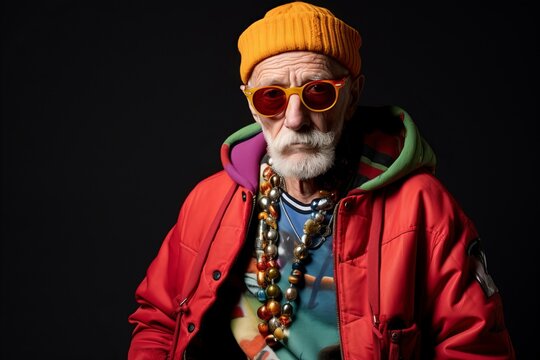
[322, 234]
[275, 317]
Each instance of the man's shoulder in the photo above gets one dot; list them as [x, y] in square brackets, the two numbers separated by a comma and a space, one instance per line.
[209, 192]
[214, 182]
[424, 184]
[425, 190]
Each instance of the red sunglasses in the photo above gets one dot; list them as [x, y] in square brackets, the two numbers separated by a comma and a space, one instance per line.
[317, 95]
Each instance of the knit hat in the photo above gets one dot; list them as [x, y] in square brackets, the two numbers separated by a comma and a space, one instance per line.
[299, 26]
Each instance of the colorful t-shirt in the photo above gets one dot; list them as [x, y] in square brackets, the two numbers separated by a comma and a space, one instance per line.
[313, 330]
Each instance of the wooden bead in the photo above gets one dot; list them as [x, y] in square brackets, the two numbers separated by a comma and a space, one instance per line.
[275, 180]
[291, 293]
[261, 264]
[271, 251]
[273, 211]
[274, 307]
[300, 252]
[279, 334]
[272, 273]
[270, 221]
[272, 234]
[306, 240]
[261, 295]
[311, 227]
[267, 173]
[273, 291]
[274, 194]
[273, 324]
[261, 279]
[263, 328]
[295, 280]
[287, 309]
[285, 320]
[263, 313]
[318, 217]
[264, 201]
[270, 340]
[265, 188]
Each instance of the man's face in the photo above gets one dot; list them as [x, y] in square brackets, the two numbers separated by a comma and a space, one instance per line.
[301, 142]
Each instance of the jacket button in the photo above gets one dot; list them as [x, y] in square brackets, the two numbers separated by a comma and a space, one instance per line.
[191, 327]
[244, 197]
[395, 335]
[347, 205]
[216, 275]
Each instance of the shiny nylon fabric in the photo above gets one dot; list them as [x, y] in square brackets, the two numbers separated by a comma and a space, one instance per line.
[423, 259]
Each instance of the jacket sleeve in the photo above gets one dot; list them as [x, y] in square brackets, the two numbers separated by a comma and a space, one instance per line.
[154, 319]
[466, 306]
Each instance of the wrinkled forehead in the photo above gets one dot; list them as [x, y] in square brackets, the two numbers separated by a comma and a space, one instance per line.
[297, 65]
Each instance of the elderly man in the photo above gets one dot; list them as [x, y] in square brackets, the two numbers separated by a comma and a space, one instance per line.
[326, 235]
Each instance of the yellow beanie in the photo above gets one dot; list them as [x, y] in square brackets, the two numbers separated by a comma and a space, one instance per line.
[299, 26]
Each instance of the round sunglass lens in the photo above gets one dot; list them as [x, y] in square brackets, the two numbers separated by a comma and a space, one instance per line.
[319, 95]
[269, 101]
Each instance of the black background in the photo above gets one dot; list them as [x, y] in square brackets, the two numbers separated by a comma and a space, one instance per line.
[112, 111]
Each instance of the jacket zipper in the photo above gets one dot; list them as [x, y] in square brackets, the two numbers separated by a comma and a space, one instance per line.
[177, 329]
[334, 217]
[253, 206]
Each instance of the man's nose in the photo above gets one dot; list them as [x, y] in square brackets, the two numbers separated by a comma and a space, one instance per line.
[296, 114]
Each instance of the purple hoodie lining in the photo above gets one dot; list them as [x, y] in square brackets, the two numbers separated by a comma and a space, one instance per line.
[245, 158]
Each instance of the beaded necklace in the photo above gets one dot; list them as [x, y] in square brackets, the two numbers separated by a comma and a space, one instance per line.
[275, 317]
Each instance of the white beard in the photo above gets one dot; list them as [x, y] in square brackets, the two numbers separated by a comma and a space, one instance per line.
[302, 164]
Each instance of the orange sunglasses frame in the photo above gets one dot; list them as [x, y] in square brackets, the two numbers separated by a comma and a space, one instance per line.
[298, 90]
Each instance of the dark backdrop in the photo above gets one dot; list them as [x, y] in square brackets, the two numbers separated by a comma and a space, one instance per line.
[112, 111]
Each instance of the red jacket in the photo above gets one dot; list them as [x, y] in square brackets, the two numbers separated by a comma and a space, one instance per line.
[411, 280]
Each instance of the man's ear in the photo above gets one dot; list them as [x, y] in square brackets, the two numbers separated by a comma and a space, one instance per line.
[357, 86]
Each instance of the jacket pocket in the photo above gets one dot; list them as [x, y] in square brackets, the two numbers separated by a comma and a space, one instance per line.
[403, 344]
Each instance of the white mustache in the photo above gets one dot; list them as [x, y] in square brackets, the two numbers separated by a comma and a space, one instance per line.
[303, 164]
[314, 139]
